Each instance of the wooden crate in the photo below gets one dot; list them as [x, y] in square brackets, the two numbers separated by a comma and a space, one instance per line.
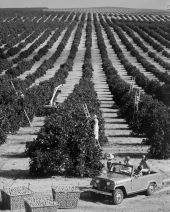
[13, 198]
[66, 196]
[35, 204]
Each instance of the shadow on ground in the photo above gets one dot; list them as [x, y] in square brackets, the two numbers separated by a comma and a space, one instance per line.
[16, 155]
[2, 207]
[15, 174]
[92, 197]
[125, 136]
[103, 199]
[131, 154]
[131, 144]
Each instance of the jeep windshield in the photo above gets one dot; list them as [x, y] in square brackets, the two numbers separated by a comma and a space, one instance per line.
[121, 169]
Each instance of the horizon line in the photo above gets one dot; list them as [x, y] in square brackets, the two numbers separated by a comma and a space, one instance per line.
[133, 8]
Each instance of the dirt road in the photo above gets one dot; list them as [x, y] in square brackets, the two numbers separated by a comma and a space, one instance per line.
[140, 203]
[159, 202]
[14, 171]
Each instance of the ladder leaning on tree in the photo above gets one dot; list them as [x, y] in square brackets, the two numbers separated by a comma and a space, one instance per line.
[56, 91]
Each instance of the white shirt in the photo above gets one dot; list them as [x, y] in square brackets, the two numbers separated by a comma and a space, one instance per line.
[96, 128]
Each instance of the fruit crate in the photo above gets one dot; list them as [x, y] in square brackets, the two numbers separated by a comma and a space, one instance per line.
[66, 196]
[35, 204]
[13, 198]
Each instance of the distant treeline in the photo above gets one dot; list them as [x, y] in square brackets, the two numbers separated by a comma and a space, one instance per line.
[25, 8]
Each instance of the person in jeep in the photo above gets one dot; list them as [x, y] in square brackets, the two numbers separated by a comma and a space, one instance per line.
[127, 161]
[127, 168]
[145, 165]
[138, 172]
[110, 162]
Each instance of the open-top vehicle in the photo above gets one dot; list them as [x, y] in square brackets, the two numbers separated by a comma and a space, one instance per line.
[122, 180]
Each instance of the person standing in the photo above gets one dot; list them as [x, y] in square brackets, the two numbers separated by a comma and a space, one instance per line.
[96, 127]
[96, 131]
[21, 99]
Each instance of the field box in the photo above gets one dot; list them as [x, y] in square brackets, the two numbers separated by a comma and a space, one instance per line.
[35, 204]
[13, 198]
[66, 196]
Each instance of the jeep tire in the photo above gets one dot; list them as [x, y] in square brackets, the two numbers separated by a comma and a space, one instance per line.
[117, 196]
[151, 189]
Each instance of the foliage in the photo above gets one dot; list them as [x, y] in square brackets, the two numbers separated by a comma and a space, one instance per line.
[151, 120]
[66, 143]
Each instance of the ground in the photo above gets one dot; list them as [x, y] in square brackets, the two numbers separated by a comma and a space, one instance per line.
[140, 203]
[15, 172]
[159, 202]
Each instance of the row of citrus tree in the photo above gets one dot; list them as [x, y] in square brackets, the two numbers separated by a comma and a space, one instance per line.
[150, 119]
[154, 39]
[152, 87]
[15, 30]
[25, 65]
[145, 48]
[156, 44]
[138, 18]
[12, 114]
[49, 63]
[66, 144]
[162, 76]
[33, 30]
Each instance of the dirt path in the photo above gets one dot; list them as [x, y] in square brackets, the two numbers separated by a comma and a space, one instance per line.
[30, 57]
[116, 128]
[140, 203]
[76, 73]
[116, 62]
[45, 57]
[27, 46]
[13, 163]
[146, 44]
[132, 59]
[62, 59]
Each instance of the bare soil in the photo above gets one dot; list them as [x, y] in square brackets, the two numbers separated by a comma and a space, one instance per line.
[14, 171]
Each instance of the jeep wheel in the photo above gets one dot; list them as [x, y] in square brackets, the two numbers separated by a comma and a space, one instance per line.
[117, 196]
[151, 189]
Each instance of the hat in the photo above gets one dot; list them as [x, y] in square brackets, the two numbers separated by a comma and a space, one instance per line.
[127, 158]
[144, 157]
[110, 156]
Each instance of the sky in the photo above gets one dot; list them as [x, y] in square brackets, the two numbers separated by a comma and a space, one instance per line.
[149, 4]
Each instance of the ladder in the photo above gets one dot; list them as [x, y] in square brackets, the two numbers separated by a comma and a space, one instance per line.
[86, 111]
[137, 99]
[132, 84]
[54, 94]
